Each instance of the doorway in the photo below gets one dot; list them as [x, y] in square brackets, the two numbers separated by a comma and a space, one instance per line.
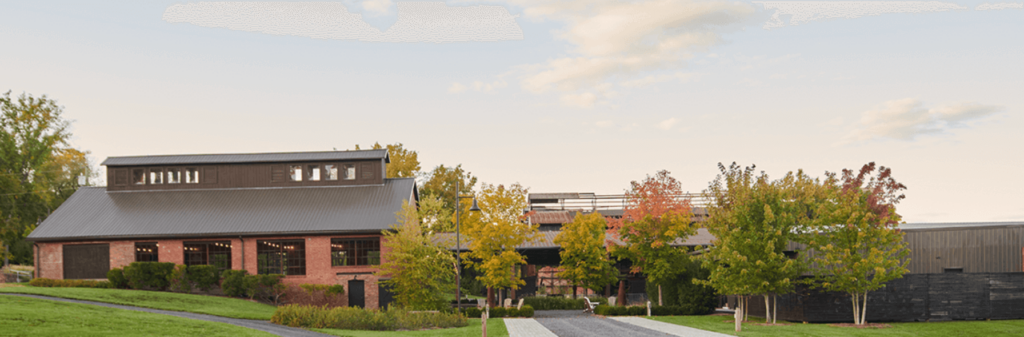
[356, 294]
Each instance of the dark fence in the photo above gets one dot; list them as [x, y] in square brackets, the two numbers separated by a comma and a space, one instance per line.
[916, 297]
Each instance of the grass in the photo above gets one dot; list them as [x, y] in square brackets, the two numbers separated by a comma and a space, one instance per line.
[956, 328]
[200, 304]
[20, 316]
[495, 328]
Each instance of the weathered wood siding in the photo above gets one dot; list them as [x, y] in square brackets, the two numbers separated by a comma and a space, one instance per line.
[976, 250]
[368, 172]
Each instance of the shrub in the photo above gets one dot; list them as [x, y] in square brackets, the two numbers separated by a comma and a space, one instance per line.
[472, 312]
[233, 283]
[560, 303]
[203, 277]
[695, 299]
[526, 311]
[351, 318]
[117, 279]
[45, 282]
[155, 275]
[268, 287]
[179, 280]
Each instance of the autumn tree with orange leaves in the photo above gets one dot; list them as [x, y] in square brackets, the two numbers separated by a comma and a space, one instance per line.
[655, 217]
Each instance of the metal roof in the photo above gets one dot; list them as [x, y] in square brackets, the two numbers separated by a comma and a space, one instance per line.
[238, 158]
[92, 213]
[958, 225]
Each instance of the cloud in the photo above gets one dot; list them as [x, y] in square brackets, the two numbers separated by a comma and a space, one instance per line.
[617, 40]
[652, 79]
[905, 119]
[377, 6]
[998, 6]
[800, 12]
[584, 100]
[477, 86]
[603, 124]
[667, 124]
[456, 88]
[417, 21]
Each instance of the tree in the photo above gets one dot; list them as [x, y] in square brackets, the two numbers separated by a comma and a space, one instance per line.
[440, 184]
[421, 271]
[584, 259]
[859, 247]
[495, 232]
[753, 220]
[404, 163]
[654, 218]
[38, 167]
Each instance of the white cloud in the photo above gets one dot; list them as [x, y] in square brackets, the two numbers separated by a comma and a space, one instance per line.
[800, 12]
[378, 7]
[667, 124]
[998, 6]
[907, 118]
[652, 79]
[584, 100]
[456, 88]
[603, 124]
[616, 40]
[417, 21]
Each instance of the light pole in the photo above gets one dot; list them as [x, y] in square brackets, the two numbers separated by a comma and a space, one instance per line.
[458, 241]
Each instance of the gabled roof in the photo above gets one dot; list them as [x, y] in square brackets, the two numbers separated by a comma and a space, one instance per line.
[92, 213]
[239, 158]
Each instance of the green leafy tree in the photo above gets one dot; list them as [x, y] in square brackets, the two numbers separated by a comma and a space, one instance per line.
[404, 163]
[754, 219]
[495, 232]
[859, 247]
[38, 167]
[440, 184]
[584, 258]
[421, 271]
[654, 219]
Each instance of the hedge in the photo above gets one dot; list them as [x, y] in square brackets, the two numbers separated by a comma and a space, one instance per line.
[117, 279]
[45, 282]
[155, 275]
[666, 310]
[560, 303]
[233, 283]
[353, 318]
[203, 277]
[526, 311]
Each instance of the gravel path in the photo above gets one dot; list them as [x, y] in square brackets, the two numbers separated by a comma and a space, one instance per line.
[576, 323]
[248, 323]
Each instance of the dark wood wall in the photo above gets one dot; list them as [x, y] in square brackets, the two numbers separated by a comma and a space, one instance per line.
[920, 297]
[976, 250]
[368, 172]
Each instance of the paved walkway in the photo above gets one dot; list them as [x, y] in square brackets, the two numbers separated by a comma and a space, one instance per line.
[668, 328]
[265, 326]
[576, 323]
[526, 327]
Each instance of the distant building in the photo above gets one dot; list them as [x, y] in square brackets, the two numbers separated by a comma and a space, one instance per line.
[316, 217]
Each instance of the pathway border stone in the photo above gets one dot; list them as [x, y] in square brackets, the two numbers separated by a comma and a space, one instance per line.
[526, 327]
[264, 326]
[672, 329]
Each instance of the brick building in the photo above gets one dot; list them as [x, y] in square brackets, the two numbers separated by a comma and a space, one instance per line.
[316, 217]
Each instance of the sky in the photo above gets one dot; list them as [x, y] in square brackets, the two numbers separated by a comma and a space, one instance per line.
[560, 96]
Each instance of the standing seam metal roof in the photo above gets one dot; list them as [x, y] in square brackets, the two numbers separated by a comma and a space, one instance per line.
[92, 213]
[246, 158]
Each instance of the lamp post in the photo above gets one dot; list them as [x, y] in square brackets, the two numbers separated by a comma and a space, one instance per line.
[458, 242]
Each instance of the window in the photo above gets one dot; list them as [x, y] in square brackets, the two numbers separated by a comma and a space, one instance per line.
[173, 176]
[953, 270]
[286, 257]
[214, 253]
[331, 172]
[156, 176]
[350, 172]
[139, 176]
[313, 172]
[191, 175]
[146, 252]
[355, 252]
[296, 173]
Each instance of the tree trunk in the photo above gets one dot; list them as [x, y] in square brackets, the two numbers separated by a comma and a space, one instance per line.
[746, 313]
[622, 293]
[490, 297]
[767, 309]
[659, 295]
[6, 263]
[574, 291]
[864, 309]
[856, 313]
[607, 290]
[775, 308]
[738, 315]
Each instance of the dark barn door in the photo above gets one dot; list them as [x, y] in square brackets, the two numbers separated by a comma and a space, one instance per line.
[384, 295]
[356, 295]
[86, 261]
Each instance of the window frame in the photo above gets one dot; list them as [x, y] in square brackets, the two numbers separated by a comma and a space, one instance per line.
[312, 169]
[356, 251]
[135, 181]
[292, 174]
[202, 252]
[151, 250]
[159, 172]
[350, 168]
[327, 172]
[266, 249]
[168, 175]
[188, 176]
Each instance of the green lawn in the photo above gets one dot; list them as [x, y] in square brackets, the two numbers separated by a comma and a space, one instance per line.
[20, 316]
[495, 328]
[957, 328]
[200, 304]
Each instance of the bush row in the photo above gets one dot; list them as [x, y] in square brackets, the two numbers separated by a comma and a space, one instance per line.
[181, 278]
[352, 318]
[665, 310]
[45, 282]
[526, 311]
[560, 303]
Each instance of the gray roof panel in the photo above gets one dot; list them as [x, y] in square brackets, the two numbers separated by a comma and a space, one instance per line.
[238, 158]
[93, 213]
[957, 225]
